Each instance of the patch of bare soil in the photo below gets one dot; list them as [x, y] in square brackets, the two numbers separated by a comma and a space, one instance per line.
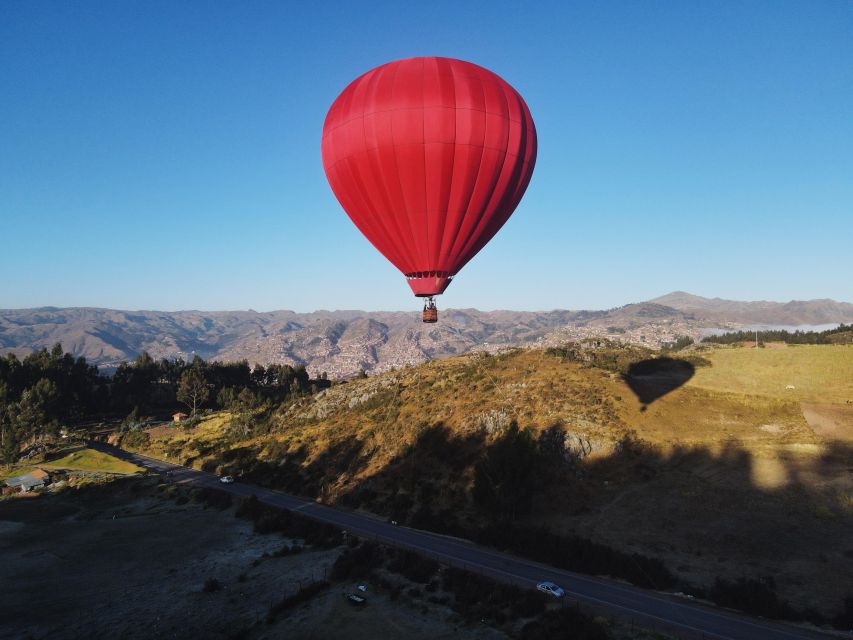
[830, 421]
[164, 430]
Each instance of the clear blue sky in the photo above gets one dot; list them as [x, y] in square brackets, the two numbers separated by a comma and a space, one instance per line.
[166, 155]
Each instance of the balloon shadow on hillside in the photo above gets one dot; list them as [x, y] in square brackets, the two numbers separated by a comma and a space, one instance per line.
[654, 378]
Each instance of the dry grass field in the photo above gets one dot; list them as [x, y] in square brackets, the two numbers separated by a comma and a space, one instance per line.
[817, 373]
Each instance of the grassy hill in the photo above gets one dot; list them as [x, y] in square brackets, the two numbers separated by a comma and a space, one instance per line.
[706, 461]
[85, 459]
[73, 458]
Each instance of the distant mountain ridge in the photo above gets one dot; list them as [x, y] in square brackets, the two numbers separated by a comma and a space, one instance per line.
[795, 312]
[342, 342]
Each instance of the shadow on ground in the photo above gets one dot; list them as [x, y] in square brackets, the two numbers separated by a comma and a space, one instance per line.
[686, 517]
[654, 378]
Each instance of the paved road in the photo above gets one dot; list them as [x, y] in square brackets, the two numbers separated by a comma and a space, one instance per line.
[646, 608]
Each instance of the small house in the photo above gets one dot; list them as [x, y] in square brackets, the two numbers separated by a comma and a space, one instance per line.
[29, 481]
[179, 417]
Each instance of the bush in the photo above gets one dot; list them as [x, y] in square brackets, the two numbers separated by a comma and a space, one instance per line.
[135, 440]
[564, 624]
[757, 597]
[271, 520]
[697, 361]
[528, 604]
[214, 498]
[413, 566]
[478, 597]
[288, 602]
[609, 356]
[358, 562]
[444, 521]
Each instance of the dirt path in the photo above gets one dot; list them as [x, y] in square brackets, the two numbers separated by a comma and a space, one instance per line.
[830, 421]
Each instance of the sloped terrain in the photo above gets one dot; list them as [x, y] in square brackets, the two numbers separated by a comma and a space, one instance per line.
[673, 458]
[795, 312]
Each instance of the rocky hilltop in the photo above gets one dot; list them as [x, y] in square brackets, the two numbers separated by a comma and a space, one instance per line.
[342, 342]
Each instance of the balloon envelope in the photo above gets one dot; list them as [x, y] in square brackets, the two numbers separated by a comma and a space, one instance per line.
[429, 157]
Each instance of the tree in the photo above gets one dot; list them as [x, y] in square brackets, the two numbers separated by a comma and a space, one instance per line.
[193, 389]
[246, 404]
[144, 361]
[133, 418]
[8, 437]
[36, 410]
[259, 376]
[226, 398]
[246, 401]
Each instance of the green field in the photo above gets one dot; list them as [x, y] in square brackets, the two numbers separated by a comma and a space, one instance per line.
[83, 459]
[10, 471]
[818, 373]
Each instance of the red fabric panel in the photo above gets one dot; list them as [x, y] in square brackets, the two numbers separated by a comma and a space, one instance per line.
[429, 157]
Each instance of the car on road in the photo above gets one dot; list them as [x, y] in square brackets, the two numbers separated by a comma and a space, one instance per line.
[226, 480]
[551, 589]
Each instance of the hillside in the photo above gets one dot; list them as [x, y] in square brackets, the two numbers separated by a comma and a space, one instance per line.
[744, 481]
[342, 342]
[338, 342]
[795, 312]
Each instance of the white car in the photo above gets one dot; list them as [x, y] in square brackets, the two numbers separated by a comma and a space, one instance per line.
[226, 480]
[551, 589]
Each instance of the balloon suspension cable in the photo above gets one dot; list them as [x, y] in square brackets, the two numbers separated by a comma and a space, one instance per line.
[430, 314]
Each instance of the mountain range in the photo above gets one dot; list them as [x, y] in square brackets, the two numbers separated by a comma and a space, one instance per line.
[795, 312]
[343, 342]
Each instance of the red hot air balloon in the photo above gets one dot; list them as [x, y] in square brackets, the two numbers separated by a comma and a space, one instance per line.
[429, 157]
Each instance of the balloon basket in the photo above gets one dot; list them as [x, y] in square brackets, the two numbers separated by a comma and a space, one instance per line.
[430, 314]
